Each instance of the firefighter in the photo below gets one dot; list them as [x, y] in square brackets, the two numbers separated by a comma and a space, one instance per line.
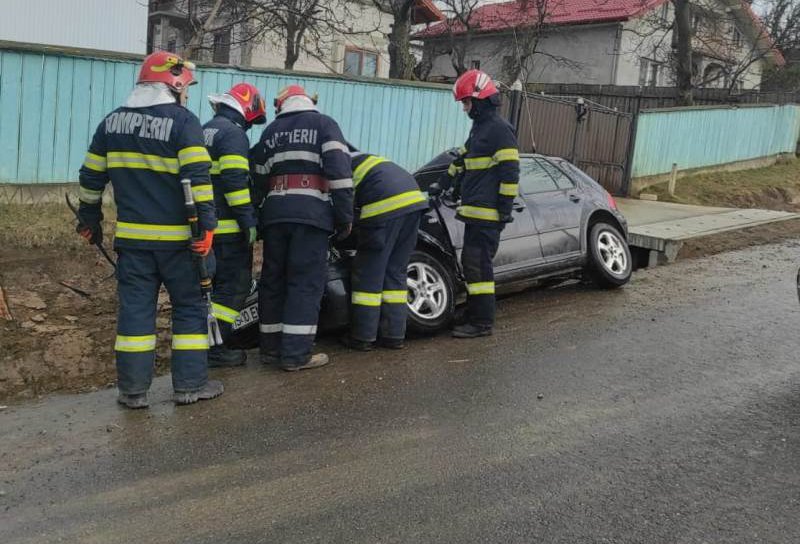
[486, 176]
[302, 165]
[390, 205]
[145, 148]
[226, 139]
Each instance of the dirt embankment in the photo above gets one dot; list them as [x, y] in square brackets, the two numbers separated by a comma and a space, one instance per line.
[59, 339]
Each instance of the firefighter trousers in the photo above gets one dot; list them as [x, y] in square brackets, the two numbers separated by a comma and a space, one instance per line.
[380, 293]
[140, 274]
[231, 282]
[292, 283]
[480, 246]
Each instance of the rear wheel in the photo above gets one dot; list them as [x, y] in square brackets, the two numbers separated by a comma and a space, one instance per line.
[431, 295]
[610, 264]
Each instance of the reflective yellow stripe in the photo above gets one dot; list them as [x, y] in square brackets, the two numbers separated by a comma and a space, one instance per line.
[89, 196]
[125, 159]
[475, 212]
[478, 163]
[214, 168]
[363, 169]
[452, 170]
[193, 154]
[392, 203]
[223, 313]
[203, 193]
[230, 162]
[481, 288]
[483, 163]
[366, 299]
[506, 154]
[189, 341]
[227, 226]
[135, 344]
[399, 296]
[159, 233]
[238, 198]
[508, 189]
[95, 162]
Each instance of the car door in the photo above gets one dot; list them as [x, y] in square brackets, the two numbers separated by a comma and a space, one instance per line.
[555, 203]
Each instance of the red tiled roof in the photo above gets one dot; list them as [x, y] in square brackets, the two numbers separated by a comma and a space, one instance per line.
[519, 13]
[425, 11]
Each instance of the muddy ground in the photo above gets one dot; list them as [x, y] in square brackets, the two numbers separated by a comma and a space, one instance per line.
[61, 340]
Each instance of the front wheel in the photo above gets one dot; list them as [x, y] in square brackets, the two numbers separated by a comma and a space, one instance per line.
[431, 293]
[610, 264]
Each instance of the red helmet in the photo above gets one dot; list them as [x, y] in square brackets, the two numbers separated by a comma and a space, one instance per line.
[169, 68]
[473, 84]
[248, 97]
[290, 91]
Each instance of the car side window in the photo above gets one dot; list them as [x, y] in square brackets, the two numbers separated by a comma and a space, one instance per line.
[562, 180]
[534, 179]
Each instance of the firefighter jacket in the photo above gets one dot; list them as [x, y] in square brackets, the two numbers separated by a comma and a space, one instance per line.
[229, 148]
[384, 190]
[489, 170]
[309, 144]
[145, 152]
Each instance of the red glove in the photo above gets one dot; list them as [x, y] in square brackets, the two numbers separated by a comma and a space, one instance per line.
[203, 246]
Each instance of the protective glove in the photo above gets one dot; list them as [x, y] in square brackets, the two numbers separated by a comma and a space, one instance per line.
[343, 230]
[251, 235]
[506, 218]
[92, 233]
[202, 246]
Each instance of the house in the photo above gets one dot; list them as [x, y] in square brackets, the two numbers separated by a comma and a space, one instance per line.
[118, 26]
[354, 43]
[606, 42]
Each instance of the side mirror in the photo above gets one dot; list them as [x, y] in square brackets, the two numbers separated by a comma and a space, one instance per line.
[434, 189]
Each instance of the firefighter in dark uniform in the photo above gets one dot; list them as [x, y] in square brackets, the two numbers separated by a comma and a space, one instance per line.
[302, 165]
[226, 138]
[145, 148]
[486, 177]
[389, 205]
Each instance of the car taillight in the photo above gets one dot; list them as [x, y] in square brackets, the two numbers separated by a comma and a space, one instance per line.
[611, 201]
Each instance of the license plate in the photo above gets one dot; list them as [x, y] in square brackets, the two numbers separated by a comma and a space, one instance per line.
[246, 316]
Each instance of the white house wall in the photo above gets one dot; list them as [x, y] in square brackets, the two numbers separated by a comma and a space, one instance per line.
[589, 50]
[270, 52]
[107, 25]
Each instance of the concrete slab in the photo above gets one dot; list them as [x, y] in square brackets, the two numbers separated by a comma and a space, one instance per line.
[663, 227]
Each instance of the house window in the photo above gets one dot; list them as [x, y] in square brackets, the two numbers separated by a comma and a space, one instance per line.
[222, 47]
[664, 14]
[475, 65]
[648, 72]
[171, 45]
[358, 62]
[697, 20]
[737, 37]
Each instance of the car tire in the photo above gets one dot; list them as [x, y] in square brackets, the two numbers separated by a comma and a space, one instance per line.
[430, 281]
[610, 264]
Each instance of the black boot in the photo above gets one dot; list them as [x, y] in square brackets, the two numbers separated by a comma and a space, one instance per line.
[472, 331]
[220, 356]
[134, 402]
[392, 343]
[356, 344]
[211, 390]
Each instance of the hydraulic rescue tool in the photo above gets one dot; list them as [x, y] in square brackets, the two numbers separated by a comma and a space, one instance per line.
[214, 333]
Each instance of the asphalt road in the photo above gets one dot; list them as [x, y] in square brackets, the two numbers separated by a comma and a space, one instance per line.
[668, 411]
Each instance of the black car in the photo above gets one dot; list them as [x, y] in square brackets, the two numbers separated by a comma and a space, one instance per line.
[565, 224]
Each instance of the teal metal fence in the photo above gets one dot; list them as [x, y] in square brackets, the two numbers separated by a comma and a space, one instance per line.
[51, 103]
[707, 136]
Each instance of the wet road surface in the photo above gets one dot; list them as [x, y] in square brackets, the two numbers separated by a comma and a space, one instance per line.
[668, 411]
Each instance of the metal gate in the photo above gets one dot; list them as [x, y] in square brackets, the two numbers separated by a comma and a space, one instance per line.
[595, 138]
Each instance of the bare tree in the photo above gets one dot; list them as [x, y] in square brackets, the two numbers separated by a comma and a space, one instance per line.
[731, 40]
[401, 61]
[460, 28]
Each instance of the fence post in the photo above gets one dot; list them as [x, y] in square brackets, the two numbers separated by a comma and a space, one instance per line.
[672, 178]
[515, 109]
